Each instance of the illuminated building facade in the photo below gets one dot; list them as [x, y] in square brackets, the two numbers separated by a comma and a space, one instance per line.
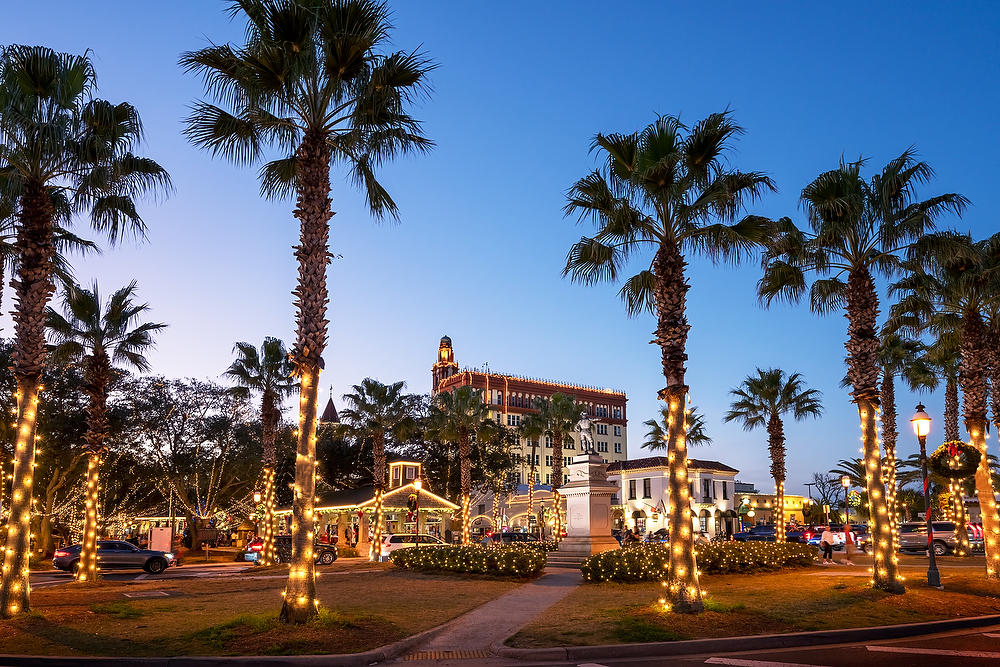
[510, 398]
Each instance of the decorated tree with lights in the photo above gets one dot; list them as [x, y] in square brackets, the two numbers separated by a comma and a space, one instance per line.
[99, 335]
[377, 413]
[857, 229]
[556, 417]
[459, 417]
[904, 358]
[57, 143]
[313, 82]
[656, 437]
[267, 372]
[669, 191]
[761, 402]
[202, 442]
[953, 283]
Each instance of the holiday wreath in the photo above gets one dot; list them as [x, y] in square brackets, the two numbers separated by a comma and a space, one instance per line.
[955, 460]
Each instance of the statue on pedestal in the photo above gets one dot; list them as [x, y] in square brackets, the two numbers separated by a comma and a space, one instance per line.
[585, 427]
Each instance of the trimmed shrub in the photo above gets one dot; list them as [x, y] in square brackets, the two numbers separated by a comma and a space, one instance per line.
[509, 560]
[650, 562]
[347, 552]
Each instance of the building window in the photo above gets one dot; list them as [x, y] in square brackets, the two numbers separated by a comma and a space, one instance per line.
[567, 460]
[617, 413]
[631, 489]
[725, 491]
[618, 430]
[482, 508]
[703, 522]
[548, 461]
[602, 429]
[569, 445]
[411, 472]
[498, 417]
[602, 446]
[618, 448]
[499, 398]
[706, 488]
[548, 441]
[565, 479]
[548, 479]
[513, 420]
[646, 493]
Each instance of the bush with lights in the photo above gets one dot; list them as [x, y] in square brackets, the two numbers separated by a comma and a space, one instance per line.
[506, 560]
[649, 562]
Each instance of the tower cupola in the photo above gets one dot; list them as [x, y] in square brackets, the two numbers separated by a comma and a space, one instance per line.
[445, 365]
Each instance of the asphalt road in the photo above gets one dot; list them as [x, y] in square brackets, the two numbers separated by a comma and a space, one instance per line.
[46, 578]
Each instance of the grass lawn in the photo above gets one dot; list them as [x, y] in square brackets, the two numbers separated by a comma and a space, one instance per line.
[238, 614]
[788, 601]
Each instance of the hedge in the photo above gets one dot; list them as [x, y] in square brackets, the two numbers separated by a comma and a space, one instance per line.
[650, 562]
[508, 560]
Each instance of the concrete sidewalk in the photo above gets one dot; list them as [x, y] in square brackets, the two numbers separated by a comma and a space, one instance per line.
[471, 635]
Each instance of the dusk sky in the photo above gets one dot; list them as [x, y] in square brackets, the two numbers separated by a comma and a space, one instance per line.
[520, 90]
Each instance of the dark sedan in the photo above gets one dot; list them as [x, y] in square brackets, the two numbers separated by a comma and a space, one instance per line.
[766, 534]
[325, 553]
[115, 555]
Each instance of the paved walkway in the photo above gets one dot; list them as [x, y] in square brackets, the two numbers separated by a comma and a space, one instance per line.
[471, 635]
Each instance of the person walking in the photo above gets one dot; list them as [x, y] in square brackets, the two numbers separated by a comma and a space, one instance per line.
[826, 543]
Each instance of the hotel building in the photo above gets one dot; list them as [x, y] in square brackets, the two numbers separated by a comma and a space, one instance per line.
[511, 397]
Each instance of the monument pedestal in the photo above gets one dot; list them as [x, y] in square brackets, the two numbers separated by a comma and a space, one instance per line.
[588, 507]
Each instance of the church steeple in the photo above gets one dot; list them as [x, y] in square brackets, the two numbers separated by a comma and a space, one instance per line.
[330, 415]
[445, 365]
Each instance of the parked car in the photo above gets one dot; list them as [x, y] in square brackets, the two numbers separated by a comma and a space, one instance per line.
[406, 540]
[324, 553]
[765, 533]
[115, 555]
[913, 537]
[860, 538]
[509, 538]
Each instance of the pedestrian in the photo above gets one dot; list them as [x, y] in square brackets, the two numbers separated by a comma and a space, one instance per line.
[826, 543]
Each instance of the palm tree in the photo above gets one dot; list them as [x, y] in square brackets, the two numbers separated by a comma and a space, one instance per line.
[56, 141]
[100, 336]
[857, 228]
[556, 417]
[312, 82]
[459, 417]
[661, 189]
[695, 434]
[952, 283]
[377, 413]
[903, 357]
[761, 401]
[532, 429]
[269, 373]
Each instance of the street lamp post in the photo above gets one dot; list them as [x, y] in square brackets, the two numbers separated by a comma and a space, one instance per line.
[921, 427]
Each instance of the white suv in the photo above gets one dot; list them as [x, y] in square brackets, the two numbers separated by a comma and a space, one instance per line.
[405, 541]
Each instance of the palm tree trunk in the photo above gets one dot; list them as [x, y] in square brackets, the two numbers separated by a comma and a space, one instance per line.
[951, 409]
[889, 438]
[776, 445]
[556, 483]
[671, 335]
[465, 461]
[313, 254]
[974, 396]
[98, 375]
[378, 481]
[531, 496]
[269, 417]
[32, 289]
[863, 371]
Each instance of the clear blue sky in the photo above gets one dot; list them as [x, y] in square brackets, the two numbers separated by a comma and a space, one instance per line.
[520, 90]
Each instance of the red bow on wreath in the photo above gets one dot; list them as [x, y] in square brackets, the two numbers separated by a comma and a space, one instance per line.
[952, 449]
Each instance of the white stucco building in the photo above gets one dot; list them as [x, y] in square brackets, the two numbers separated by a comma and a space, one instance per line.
[641, 503]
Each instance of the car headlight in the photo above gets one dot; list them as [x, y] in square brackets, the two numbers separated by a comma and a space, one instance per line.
[168, 556]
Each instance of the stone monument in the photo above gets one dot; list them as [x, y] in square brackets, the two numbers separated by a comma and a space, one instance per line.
[588, 500]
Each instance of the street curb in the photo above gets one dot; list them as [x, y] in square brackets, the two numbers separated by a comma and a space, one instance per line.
[380, 654]
[749, 643]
